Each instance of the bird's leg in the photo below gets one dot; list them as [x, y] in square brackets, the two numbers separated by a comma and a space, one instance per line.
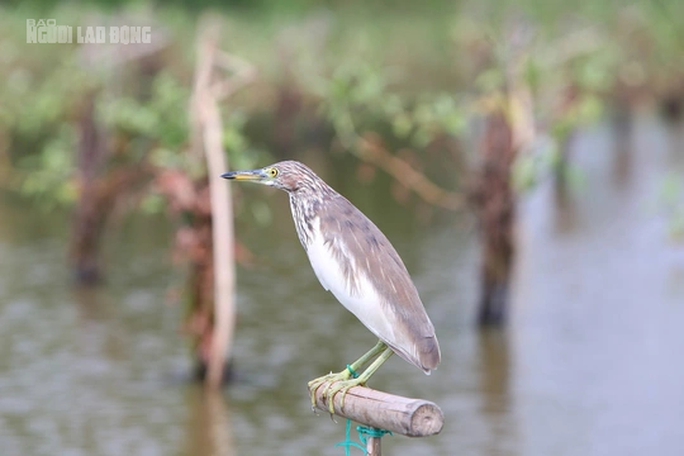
[347, 373]
[345, 385]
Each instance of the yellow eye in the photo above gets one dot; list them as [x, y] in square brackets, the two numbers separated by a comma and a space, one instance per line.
[273, 172]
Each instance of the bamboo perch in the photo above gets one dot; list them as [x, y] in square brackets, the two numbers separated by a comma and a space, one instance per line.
[376, 409]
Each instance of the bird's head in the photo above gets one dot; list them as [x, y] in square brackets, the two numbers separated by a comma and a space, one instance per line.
[289, 175]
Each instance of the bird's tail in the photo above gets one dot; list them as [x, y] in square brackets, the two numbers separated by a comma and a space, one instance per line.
[429, 354]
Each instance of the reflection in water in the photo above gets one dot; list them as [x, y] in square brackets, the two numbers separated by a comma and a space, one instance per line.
[209, 428]
[675, 144]
[565, 213]
[495, 372]
[590, 364]
[90, 304]
[595, 338]
[623, 129]
[96, 335]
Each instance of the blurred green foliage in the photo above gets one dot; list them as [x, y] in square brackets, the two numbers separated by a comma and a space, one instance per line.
[412, 71]
[362, 95]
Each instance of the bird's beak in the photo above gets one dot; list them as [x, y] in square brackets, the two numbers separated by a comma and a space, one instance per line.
[254, 176]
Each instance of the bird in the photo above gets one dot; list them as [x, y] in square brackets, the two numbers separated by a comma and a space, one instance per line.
[356, 262]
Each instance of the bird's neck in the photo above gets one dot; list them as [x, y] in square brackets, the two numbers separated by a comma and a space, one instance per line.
[305, 215]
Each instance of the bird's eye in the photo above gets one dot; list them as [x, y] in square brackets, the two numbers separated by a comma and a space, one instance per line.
[273, 172]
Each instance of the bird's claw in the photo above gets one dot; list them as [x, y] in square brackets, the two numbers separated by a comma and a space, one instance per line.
[333, 383]
[339, 387]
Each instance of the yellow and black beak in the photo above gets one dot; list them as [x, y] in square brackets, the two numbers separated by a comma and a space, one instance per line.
[256, 175]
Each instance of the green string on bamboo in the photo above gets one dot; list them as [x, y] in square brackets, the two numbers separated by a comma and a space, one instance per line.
[365, 433]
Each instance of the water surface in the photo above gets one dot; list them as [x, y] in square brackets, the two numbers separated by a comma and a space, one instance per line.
[591, 363]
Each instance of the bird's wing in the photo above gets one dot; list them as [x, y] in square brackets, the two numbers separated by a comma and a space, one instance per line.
[369, 278]
[334, 268]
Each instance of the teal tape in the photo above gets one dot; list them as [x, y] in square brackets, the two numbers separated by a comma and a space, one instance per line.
[365, 433]
[351, 370]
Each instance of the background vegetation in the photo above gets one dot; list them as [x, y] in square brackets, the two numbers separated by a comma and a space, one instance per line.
[452, 106]
[415, 74]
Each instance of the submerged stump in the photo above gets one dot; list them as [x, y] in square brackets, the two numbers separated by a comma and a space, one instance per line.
[495, 206]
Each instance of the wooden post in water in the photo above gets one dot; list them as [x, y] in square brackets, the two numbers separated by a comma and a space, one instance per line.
[208, 135]
[380, 410]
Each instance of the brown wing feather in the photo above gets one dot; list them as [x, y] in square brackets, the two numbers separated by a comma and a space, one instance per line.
[370, 251]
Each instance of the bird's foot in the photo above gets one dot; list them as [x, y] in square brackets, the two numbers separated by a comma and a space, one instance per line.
[333, 383]
[340, 387]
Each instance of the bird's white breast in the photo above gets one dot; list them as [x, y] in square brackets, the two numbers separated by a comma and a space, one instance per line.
[361, 299]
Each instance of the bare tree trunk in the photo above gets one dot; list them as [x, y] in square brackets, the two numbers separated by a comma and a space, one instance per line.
[100, 187]
[101, 183]
[496, 211]
[212, 318]
[90, 216]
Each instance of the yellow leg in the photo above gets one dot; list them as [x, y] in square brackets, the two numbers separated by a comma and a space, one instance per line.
[349, 372]
[348, 378]
[346, 385]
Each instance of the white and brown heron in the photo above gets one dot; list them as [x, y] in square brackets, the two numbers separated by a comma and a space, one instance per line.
[357, 264]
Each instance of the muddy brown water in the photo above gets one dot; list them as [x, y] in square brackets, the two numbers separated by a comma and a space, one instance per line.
[590, 364]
